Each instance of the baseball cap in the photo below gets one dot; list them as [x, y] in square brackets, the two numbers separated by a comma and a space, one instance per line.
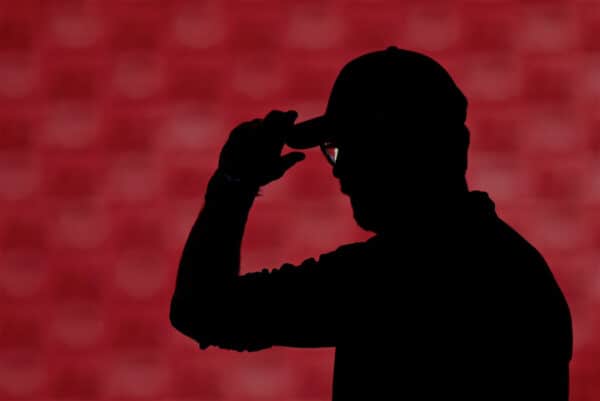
[394, 82]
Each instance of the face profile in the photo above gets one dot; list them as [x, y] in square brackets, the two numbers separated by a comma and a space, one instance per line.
[363, 172]
[387, 168]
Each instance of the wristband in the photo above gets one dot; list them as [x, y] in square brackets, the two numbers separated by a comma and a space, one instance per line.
[222, 183]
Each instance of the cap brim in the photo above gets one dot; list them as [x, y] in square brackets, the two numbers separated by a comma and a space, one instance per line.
[308, 133]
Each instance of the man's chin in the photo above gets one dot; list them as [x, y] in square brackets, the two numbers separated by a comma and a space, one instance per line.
[364, 221]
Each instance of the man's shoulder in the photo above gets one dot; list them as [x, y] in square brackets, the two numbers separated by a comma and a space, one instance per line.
[513, 244]
[353, 249]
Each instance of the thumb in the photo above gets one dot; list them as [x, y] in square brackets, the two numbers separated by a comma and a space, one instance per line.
[288, 160]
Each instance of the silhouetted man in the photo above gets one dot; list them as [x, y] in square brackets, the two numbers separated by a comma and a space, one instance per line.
[444, 302]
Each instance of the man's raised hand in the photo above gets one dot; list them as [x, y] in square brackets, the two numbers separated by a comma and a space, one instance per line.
[253, 151]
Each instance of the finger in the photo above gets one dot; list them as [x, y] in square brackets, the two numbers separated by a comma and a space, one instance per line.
[277, 126]
[274, 121]
[292, 115]
[273, 132]
[247, 125]
[241, 134]
[275, 116]
[277, 121]
[244, 129]
[288, 160]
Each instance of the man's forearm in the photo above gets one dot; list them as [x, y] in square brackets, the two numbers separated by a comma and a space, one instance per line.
[211, 256]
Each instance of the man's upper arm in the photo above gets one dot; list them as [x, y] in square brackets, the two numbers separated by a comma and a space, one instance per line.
[290, 306]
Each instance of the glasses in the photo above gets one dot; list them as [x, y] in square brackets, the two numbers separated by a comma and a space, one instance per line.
[330, 151]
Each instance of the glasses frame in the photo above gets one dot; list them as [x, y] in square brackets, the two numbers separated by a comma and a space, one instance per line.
[324, 147]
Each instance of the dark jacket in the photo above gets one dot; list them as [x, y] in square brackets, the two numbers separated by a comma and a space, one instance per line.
[464, 309]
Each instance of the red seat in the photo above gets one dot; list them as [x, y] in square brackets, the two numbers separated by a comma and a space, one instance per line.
[77, 376]
[588, 18]
[489, 27]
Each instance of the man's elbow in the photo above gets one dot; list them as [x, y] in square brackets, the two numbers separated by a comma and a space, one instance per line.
[184, 324]
[182, 320]
[175, 317]
[179, 316]
[198, 315]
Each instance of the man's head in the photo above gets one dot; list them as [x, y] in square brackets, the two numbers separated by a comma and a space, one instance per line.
[397, 120]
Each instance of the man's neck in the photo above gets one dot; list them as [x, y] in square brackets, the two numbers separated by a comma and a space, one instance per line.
[426, 211]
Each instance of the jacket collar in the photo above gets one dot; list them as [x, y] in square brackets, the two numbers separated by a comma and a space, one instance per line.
[473, 207]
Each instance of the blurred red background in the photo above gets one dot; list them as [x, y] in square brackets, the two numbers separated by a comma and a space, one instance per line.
[112, 114]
